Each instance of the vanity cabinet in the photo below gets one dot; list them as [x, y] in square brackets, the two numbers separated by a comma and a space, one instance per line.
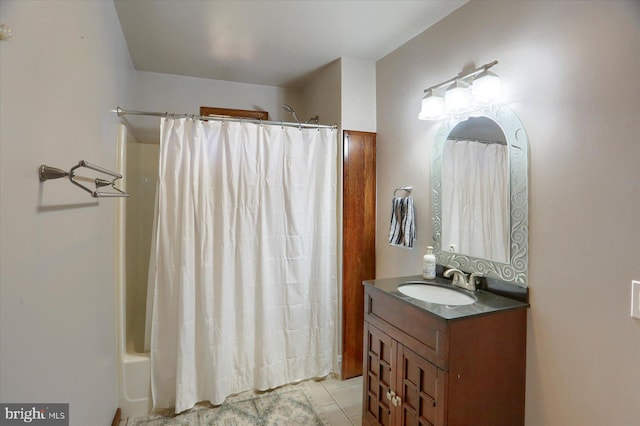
[422, 369]
[403, 387]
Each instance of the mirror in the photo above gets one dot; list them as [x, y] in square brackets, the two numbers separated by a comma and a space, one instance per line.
[479, 176]
[475, 190]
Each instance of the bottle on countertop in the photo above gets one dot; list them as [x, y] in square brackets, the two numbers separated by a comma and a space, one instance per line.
[429, 264]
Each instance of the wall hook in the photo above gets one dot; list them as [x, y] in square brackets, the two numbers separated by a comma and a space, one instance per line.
[5, 32]
[408, 189]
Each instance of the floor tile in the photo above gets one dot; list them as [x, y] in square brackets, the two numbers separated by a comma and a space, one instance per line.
[340, 401]
[319, 394]
[332, 383]
[335, 416]
[349, 398]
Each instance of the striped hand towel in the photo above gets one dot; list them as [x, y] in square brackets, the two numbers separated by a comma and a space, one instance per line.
[403, 228]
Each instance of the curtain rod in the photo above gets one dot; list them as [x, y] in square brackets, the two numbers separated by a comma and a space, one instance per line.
[487, 141]
[122, 112]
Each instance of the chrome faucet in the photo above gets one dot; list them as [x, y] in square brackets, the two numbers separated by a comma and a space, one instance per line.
[460, 278]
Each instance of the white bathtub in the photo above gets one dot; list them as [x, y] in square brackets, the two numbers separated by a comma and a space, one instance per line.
[131, 263]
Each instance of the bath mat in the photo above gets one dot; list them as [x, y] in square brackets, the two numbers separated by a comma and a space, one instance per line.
[289, 405]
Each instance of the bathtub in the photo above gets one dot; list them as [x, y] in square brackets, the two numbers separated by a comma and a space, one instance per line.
[137, 162]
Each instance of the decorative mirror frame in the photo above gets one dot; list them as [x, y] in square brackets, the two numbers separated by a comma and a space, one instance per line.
[516, 270]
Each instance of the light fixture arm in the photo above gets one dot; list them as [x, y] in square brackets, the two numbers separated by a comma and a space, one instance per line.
[463, 76]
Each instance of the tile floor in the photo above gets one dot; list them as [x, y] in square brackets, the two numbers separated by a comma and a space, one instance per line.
[340, 401]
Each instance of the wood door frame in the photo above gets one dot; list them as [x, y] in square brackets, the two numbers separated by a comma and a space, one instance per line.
[237, 113]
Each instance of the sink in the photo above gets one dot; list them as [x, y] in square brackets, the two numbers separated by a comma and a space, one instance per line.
[433, 293]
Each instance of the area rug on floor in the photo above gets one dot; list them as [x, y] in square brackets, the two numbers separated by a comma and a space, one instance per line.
[288, 405]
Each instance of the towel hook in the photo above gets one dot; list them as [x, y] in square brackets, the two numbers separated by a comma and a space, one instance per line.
[404, 188]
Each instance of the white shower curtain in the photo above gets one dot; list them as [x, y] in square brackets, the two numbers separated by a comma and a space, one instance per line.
[245, 283]
[475, 199]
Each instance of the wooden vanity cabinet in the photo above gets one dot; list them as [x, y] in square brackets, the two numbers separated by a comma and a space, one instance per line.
[420, 369]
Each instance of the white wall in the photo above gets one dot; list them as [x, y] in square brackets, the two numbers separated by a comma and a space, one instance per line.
[342, 92]
[571, 69]
[322, 95]
[358, 88]
[141, 179]
[180, 94]
[66, 66]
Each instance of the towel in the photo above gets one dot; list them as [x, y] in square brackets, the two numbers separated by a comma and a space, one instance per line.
[402, 232]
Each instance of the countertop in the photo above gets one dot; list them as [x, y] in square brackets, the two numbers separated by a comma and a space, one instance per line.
[485, 303]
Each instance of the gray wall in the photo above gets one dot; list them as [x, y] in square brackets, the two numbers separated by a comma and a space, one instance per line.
[571, 72]
[180, 94]
[66, 66]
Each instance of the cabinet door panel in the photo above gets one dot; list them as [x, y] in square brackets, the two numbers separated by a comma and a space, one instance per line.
[380, 353]
[421, 389]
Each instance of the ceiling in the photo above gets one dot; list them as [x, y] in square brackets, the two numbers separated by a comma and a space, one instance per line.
[278, 43]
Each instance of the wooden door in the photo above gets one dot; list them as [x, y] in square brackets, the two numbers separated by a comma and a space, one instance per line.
[358, 245]
[379, 376]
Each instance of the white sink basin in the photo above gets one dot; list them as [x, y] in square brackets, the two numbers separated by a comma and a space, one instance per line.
[435, 294]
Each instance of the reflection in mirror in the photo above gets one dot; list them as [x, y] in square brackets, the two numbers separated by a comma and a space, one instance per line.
[479, 183]
[475, 190]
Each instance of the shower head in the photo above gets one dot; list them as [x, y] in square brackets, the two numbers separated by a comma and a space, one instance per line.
[290, 111]
[288, 108]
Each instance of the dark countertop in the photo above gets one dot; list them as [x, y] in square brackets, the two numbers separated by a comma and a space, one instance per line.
[485, 302]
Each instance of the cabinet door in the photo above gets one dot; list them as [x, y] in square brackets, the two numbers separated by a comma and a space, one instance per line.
[379, 358]
[420, 386]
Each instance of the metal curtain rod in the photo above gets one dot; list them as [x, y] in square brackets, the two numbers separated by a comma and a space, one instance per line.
[487, 141]
[463, 76]
[122, 112]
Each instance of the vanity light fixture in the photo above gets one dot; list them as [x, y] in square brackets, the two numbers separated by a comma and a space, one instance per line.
[465, 93]
[432, 106]
[457, 98]
[486, 88]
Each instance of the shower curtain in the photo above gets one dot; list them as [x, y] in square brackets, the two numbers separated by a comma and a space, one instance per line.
[245, 282]
[475, 200]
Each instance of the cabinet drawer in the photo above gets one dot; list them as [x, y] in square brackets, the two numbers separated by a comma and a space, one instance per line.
[424, 333]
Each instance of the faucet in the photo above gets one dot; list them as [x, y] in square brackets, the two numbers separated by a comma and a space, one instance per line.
[460, 278]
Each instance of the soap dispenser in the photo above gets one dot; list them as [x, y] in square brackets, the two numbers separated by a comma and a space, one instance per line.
[429, 264]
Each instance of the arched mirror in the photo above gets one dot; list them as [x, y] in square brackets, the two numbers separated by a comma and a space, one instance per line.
[479, 176]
